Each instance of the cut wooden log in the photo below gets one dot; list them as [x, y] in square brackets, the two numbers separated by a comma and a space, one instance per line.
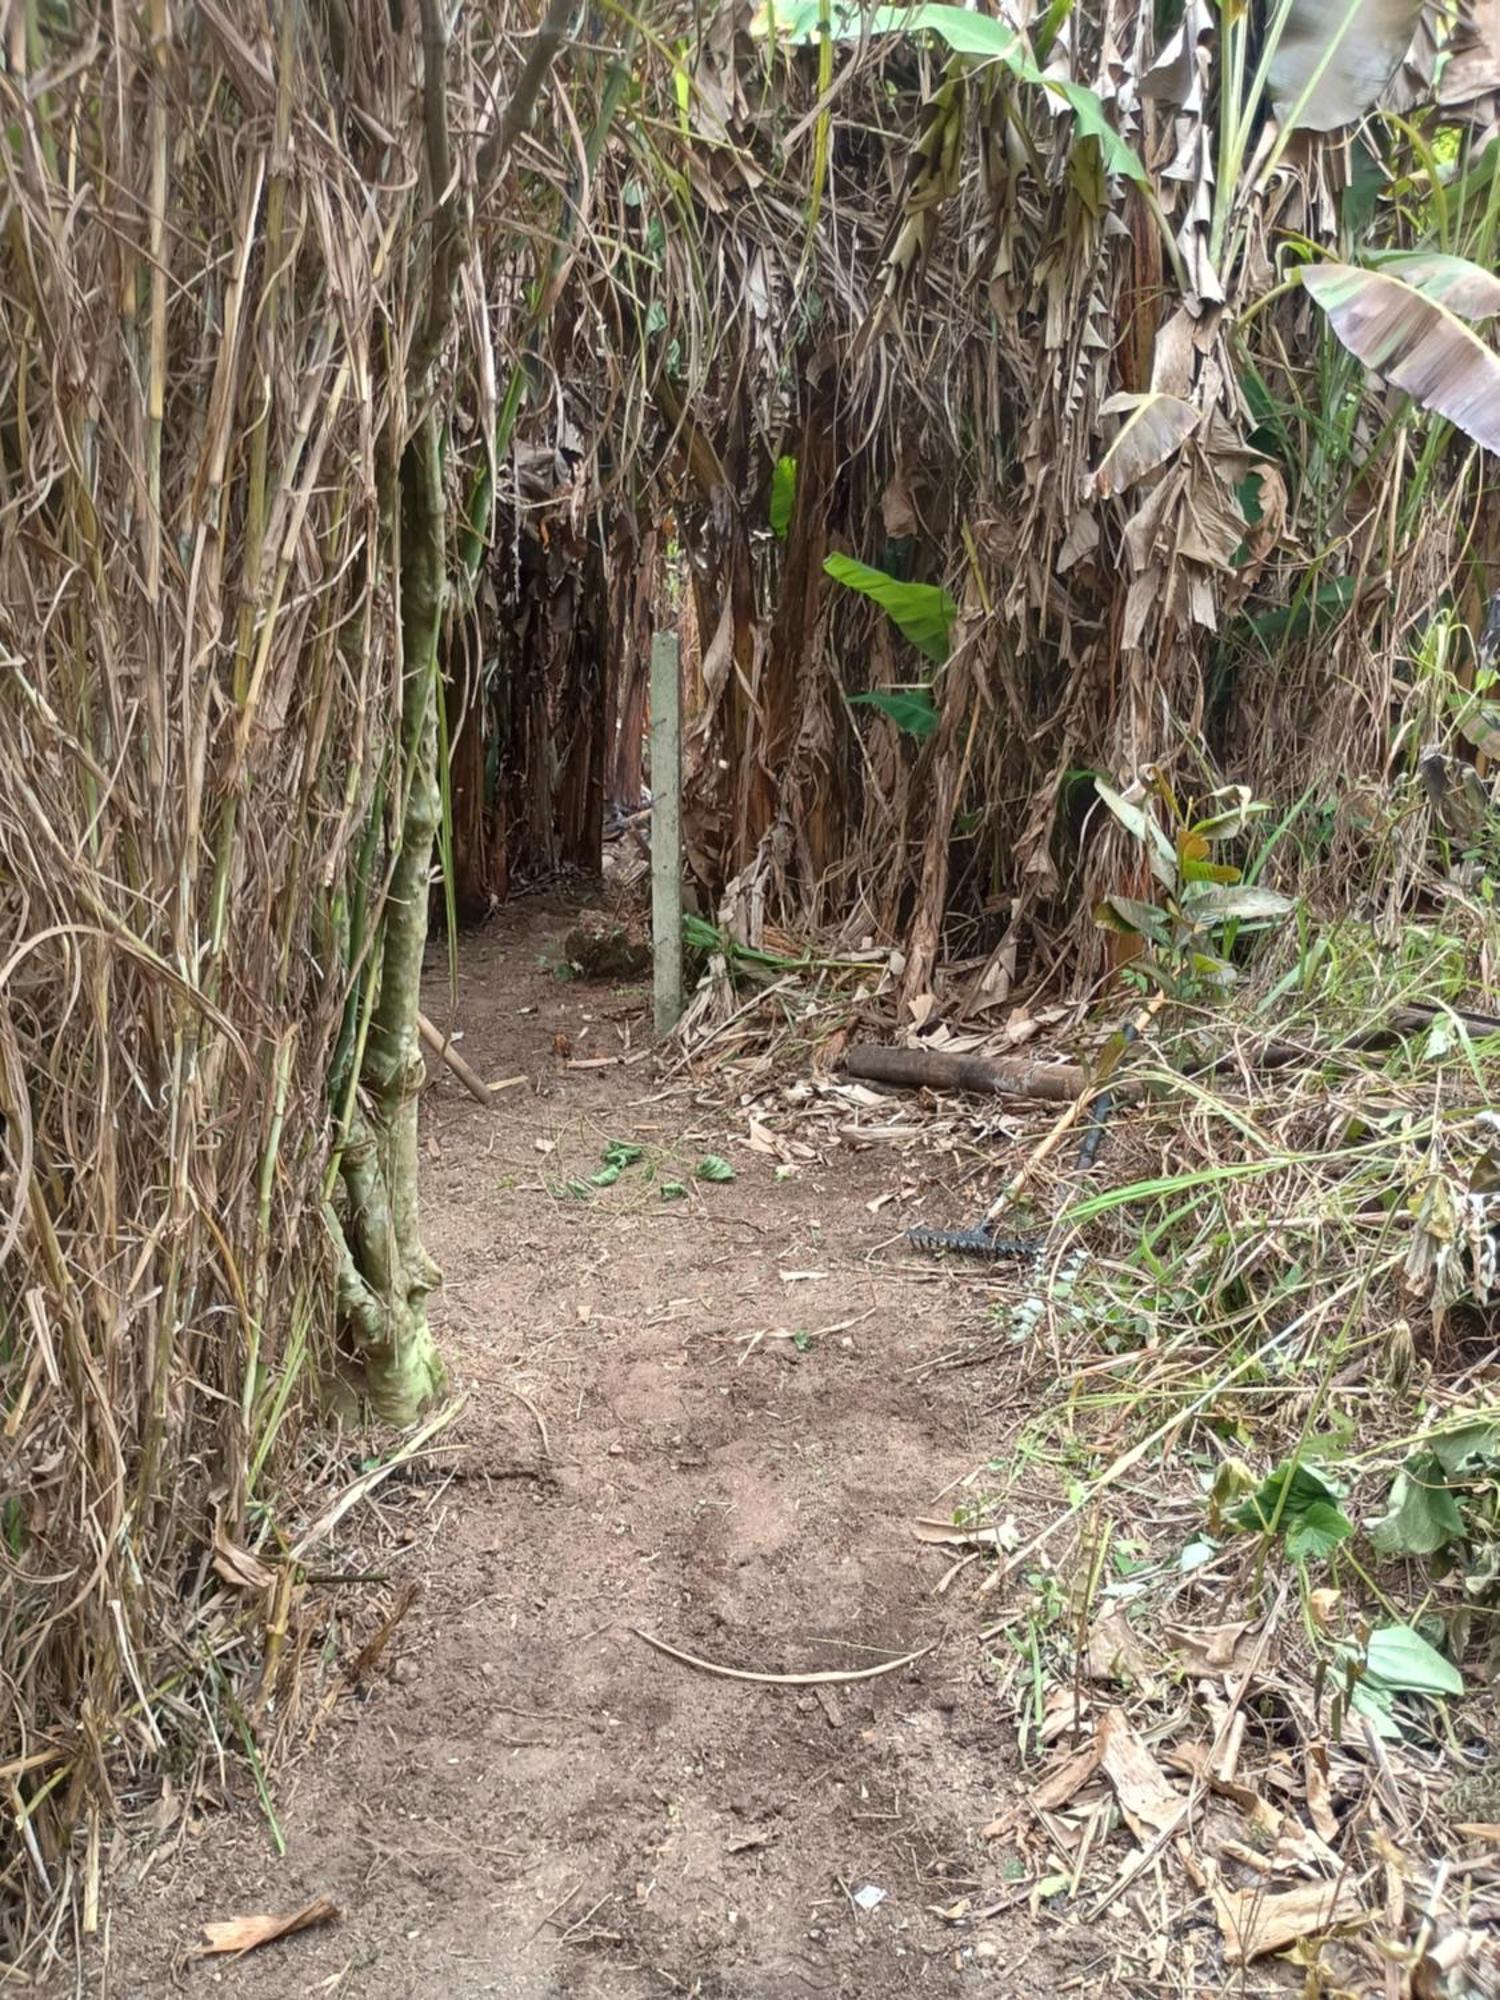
[932, 1069]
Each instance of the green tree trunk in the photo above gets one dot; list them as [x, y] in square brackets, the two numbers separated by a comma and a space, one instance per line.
[385, 1273]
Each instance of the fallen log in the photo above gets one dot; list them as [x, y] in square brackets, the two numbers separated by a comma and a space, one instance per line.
[931, 1069]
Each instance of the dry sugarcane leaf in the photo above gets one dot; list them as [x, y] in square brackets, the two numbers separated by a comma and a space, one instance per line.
[1174, 357]
[1157, 426]
[1080, 541]
[1149, 1803]
[237, 1566]
[1415, 342]
[238, 1935]
[1254, 1923]
[1333, 60]
[1059, 1786]
[1319, 1796]
[1176, 76]
[1210, 527]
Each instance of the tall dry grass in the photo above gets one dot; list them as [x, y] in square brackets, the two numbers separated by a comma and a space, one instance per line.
[230, 273]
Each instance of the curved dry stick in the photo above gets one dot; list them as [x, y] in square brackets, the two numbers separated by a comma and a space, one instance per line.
[781, 1680]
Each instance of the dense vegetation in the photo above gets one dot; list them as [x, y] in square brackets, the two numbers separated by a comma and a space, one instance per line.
[989, 404]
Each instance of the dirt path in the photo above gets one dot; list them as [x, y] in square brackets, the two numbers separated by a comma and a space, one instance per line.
[529, 1801]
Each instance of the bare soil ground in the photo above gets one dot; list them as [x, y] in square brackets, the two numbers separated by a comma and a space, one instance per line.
[527, 1800]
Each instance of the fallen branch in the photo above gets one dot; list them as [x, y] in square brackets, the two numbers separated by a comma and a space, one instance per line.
[476, 1086]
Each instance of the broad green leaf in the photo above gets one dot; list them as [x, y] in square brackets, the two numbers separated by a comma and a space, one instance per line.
[1404, 1661]
[1326, 606]
[1212, 971]
[1302, 1506]
[1334, 58]
[1159, 850]
[713, 1167]
[922, 612]
[1232, 818]
[1479, 723]
[1419, 345]
[967, 34]
[1226, 901]
[1208, 871]
[910, 709]
[1465, 288]
[606, 1177]
[1134, 919]
[783, 496]
[1316, 1531]
[621, 1153]
[1374, 1701]
[1155, 428]
[1093, 122]
[1454, 1449]
[673, 1190]
[1423, 1515]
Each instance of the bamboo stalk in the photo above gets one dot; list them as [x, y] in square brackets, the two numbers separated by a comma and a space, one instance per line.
[666, 832]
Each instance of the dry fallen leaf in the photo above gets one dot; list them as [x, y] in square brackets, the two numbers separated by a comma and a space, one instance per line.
[1319, 1797]
[1254, 1923]
[1117, 1653]
[1059, 1786]
[972, 1535]
[1149, 1803]
[237, 1566]
[1324, 1604]
[241, 1934]
[1063, 1713]
[1214, 1649]
[1460, 1963]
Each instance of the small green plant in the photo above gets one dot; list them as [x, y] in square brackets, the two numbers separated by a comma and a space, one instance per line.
[1302, 1505]
[1444, 1495]
[783, 499]
[1395, 1660]
[1203, 902]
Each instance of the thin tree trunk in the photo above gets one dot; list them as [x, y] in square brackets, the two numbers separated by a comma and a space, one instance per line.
[386, 1274]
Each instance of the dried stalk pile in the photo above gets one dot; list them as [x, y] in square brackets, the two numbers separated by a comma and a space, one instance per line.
[1026, 325]
[240, 304]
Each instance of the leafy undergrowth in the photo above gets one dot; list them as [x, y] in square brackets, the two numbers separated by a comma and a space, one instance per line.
[1249, 1652]
[1251, 1658]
